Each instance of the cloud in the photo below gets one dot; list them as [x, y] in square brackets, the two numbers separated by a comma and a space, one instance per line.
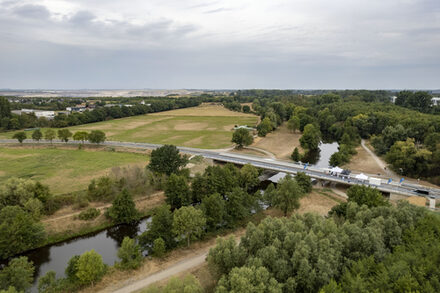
[194, 43]
[32, 11]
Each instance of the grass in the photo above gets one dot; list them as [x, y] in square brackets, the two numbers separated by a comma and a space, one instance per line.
[206, 126]
[63, 170]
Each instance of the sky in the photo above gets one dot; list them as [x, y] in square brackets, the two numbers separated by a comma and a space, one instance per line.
[227, 44]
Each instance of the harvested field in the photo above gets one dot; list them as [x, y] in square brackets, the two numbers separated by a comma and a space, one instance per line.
[206, 126]
[281, 142]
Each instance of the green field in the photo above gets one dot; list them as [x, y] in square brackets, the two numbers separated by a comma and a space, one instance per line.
[64, 170]
[201, 127]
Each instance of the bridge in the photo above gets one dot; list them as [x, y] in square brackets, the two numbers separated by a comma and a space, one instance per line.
[406, 189]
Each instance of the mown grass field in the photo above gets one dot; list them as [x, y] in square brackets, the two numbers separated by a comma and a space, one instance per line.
[64, 170]
[206, 126]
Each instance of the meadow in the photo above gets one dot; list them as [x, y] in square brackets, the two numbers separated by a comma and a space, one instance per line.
[206, 126]
[64, 170]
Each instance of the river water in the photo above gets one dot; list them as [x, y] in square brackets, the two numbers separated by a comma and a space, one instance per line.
[107, 242]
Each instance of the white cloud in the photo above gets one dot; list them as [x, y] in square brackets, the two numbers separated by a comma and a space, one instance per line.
[275, 36]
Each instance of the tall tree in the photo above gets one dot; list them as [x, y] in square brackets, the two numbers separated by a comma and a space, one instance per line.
[49, 135]
[213, 207]
[242, 137]
[20, 136]
[18, 231]
[37, 135]
[188, 223]
[123, 209]
[90, 267]
[64, 135]
[19, 273]
[177, 191]
[287, 195]
[167, 160]
[304, 181]
[296, 156]
[248, 177]
[310, 138]
[130, 254]
[5, 108]
[363, 195]
[293, 123]
[161, 226]
[96, 136]
[81, 136]
[264, 127]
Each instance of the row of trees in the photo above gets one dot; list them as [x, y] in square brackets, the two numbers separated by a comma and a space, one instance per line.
[354, 250]
[95, 136]
[9, 121]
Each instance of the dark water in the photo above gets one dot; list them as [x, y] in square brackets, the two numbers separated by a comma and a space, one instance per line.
[321, 157]
[106, 243]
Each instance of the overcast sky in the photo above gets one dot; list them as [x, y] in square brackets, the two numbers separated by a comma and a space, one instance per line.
[74, 44]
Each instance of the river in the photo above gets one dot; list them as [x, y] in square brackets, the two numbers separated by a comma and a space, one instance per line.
[107, 242]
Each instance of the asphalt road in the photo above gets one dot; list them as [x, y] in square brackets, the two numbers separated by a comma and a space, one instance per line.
[275, 165]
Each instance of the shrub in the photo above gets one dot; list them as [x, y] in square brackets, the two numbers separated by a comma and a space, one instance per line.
[89, 214]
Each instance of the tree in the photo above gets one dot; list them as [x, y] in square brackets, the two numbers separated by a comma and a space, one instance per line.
[167, 160]
[49, 135]
[188, 223]
[249, 279]
[96, 136]
[37, 135]
[248, 177]
[18, 231]
[242, 137]
[90, 267]
[159, 247]
[123, 209]
[81, 136]
[287, 195]
[161, 226]
[72, 269]
[64, 135]
[304, 181]
[264, 127]
[5, 108]
[48, 283]
[130, 254]
[177, 191]
[19, 273]
[213, 207]
[363, 195]
[311, 138]
[20, 136]
[296, 156]
[238, 205]
[246, 109]
[226, 255]
[293, 123]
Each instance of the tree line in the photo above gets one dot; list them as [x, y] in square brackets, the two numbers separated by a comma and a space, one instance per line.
[365, 245]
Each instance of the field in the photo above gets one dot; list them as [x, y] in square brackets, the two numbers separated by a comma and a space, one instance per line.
[64, 170]
[206, 126]
[281, 142]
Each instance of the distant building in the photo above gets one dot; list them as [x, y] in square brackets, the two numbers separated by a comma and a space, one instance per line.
[75, 109]
[244, 127]
[38, 113]
[436, 101]
[393, 99]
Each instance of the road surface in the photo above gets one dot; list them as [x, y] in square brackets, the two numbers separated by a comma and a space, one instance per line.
[408, 189]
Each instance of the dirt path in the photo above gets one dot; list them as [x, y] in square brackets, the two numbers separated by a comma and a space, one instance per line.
[179, 267]
[269, 154]
[378, 161]
[148, 197]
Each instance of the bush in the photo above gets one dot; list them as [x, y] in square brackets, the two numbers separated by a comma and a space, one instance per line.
[89, 214]
[80, 201]
[159, 247]
[130, 254]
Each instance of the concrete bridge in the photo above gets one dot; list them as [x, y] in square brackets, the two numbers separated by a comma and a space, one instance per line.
[279, 166]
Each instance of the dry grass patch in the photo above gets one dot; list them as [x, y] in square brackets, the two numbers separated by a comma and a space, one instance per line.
[203, 110]
[281, 142]
[363, 162]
